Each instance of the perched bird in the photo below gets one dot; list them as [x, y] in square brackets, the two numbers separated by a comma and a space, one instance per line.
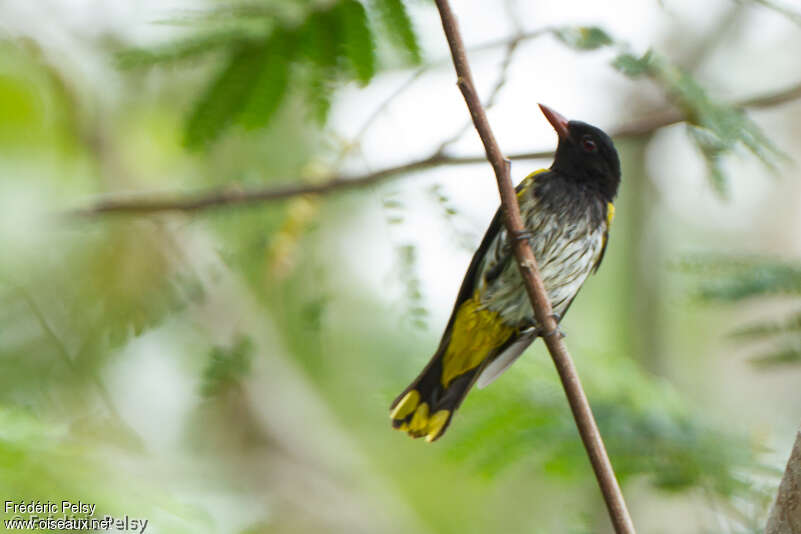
[567, 211]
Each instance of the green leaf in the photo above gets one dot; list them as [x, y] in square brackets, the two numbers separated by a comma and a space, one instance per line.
[788, 355]
[270, 83]
[301, 46]
[765, 279]
[224, 98]
[650, 430]
[357, 40]
[320, 39]
[188, 49]
[319, 94]
[227, 367]
[716, 128]
[584, 37]
[765, 329]
[633, 66]
[399, 26]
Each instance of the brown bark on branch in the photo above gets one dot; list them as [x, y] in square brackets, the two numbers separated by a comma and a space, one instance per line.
[785, 516]
[534, 286]
[145, 203]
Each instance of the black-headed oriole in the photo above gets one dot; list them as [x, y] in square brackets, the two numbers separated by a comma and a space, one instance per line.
[567, 211]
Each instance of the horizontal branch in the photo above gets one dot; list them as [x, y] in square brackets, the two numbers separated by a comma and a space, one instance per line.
[145, 203]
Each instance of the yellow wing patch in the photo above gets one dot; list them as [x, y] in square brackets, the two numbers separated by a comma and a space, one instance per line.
[610, 214]
[476, 332]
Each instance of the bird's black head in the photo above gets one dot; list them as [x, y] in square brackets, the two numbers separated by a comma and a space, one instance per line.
[585, 154]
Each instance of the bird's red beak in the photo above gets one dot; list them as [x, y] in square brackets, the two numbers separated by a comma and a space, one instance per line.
[558, 122]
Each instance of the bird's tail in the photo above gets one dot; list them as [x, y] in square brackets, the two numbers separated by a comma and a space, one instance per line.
[473, 338]
[426, 406]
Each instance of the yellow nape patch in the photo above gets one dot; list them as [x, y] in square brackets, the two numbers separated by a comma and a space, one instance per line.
[535, 173]
[610, 214]
[476, 332]
[406, 405]
[527, 181]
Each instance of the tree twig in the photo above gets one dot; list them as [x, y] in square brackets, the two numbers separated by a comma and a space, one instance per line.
[534, 286]
[145, 203]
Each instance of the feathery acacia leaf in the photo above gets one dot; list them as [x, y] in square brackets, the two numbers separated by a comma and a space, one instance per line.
[736, 279]
[224, 98]
[717, 128]
[761, 279]
[765, 329]
[319, 94]
[357, 40]
[268, 52]
[787, 355]
[319, 39]
[398, 24]
[226, 367]
[188, 49]
[649, 430]
[583, 37]
[270, 83]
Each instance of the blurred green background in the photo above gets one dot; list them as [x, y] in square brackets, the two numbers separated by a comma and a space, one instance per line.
[229, 368]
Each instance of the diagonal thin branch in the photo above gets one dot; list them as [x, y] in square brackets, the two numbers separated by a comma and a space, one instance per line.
[148, 203]
[534, 286]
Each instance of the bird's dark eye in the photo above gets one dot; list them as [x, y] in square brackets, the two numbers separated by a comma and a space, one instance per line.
[589, 145]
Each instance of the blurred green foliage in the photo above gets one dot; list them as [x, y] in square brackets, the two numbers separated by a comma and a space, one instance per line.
[740, 280]
[227, 367]
[648, 429]
[584, 37]
[717, 128]
[271, 53]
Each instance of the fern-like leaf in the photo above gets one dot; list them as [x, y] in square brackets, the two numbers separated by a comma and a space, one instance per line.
[766, 329]
[225, 98]
[787, 355]
[717, 128]
[583, 37]
[399, 26]
[226, 368]
[270, 83]
[357, 40]
[761, 279]
[186, 50]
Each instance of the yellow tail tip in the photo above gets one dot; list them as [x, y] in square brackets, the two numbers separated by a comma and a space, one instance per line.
[406, 406]
[419, 421]
[435, 424]
[414, 418]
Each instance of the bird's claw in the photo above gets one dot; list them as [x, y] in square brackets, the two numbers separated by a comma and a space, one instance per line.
[522, 235]
[556, 329]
